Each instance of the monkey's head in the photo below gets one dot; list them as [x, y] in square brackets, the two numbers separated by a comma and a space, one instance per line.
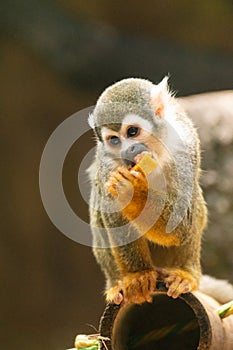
[130, 117]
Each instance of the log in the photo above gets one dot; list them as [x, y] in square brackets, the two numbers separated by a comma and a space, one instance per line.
[188, 322]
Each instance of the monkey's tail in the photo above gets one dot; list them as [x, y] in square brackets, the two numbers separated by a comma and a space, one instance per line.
[219, 289]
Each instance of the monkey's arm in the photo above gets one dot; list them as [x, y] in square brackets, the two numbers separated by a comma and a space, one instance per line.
[101, 243]
[146, 209]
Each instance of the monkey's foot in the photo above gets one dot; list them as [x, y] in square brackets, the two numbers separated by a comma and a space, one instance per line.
[178, 282]
[138, 287]
[114, 295]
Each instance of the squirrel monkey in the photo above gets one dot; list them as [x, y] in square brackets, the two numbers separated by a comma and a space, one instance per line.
[145, 227]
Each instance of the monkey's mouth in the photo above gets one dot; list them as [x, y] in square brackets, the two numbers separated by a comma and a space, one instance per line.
[131, 163]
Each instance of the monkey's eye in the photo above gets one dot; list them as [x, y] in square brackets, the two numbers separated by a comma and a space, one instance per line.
[132, 131]
[114, 140]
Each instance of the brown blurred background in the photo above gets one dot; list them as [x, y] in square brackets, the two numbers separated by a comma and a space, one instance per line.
[56, 57]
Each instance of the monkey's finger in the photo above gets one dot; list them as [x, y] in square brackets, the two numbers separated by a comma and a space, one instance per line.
[170, 279]
[126, 174]
[185, 287]
[173, 287]
[113, 180]
[137, 174]
[148, 284]
[118, 176]
[147, 290]
[139, 179]
[152, 284]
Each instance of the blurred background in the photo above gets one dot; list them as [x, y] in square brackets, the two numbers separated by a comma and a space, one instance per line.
[56, 58]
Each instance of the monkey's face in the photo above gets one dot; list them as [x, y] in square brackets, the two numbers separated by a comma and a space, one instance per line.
[127, 141]
[131, 117]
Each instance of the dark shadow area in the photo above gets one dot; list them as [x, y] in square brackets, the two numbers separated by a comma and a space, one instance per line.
[164, 324]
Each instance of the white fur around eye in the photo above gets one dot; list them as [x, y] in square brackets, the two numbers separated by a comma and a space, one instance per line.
[134, 119]
[106, 132]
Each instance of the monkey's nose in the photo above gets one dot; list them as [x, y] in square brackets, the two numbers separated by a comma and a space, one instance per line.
[130, 153]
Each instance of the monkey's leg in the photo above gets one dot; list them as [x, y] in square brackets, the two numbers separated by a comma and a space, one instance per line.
[105, 258]
[135, 265]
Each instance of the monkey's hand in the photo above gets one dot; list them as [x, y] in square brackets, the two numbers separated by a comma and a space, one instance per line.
[178, 281]
[130, 188]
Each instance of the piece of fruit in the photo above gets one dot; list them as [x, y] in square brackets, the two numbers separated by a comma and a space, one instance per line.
[147, 164]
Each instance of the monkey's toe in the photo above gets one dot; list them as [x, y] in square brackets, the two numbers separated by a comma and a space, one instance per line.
[179, 282]
[138, 287]
[114, 295]
[179, 287]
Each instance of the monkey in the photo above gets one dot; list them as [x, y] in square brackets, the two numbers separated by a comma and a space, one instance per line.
[145, 228]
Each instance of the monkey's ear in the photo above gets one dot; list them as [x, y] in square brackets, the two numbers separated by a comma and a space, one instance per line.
[160, 97]
[95, 128]
[91, 121]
